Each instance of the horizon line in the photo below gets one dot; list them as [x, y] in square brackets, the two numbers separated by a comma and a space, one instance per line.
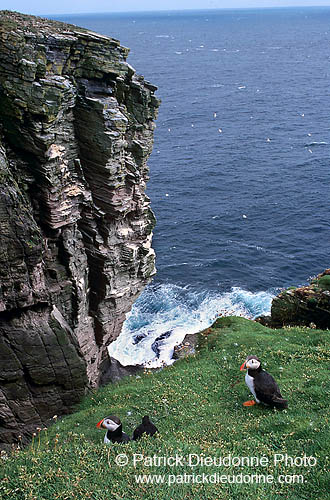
[151, 11]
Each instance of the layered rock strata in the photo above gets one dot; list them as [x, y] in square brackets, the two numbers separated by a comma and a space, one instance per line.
[76, 130]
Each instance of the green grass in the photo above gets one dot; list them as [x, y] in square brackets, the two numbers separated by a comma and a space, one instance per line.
[324, 282]
[197, 406]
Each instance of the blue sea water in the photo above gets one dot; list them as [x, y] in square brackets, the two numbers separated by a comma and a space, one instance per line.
[239, 175]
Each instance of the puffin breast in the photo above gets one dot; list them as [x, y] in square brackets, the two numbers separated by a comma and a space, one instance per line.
[250, 383]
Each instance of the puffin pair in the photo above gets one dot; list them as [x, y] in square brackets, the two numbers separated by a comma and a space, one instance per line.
[262, 385]
[115, 432]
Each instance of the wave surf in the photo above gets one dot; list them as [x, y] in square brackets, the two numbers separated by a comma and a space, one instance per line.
[164, 314]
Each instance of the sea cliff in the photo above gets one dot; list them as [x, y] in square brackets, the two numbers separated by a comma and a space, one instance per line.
[76, 130]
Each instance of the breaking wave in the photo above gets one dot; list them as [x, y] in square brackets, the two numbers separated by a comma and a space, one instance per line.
[164, 314]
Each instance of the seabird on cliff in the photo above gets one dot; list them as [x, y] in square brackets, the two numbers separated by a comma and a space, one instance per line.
[147, 427]
[114, 429]
[262, 385]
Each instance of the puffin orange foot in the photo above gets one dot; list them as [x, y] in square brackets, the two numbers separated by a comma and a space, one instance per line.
[249, 403]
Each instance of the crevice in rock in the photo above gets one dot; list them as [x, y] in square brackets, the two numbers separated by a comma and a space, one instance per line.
[11, 314]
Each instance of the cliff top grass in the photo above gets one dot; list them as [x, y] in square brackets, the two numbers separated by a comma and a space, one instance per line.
[12, 20]
[197, 406]
[18, 22]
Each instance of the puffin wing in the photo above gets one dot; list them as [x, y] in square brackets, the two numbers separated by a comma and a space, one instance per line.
[152, 429]
[126, 437]
[267, 390]
[138, 432]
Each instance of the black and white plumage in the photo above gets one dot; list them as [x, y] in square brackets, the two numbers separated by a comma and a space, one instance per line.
[114, 429]
[147, 427]
[262, 385]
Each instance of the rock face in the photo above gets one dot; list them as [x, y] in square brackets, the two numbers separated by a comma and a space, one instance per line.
[76, 130]
[305, 306]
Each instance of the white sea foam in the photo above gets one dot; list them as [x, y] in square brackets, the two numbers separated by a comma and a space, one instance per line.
[262, 249]
[316, 143]
[165, 314]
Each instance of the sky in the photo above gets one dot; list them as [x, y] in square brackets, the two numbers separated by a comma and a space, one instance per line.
[39, 7]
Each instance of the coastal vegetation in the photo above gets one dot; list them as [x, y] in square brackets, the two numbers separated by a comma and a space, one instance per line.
[197, 406]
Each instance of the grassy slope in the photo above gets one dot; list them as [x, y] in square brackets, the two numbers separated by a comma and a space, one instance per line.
[197, 406]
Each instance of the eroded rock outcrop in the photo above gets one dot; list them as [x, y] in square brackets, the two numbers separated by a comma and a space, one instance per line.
[305, 306]
[76, 130]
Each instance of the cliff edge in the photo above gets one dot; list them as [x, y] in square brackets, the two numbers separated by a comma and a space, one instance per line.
[76, 130]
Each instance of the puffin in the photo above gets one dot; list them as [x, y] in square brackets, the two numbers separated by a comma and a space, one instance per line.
[114, 429]
[147, 427]
[262, 385]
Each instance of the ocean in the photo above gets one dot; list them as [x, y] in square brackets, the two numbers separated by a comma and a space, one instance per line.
[239, 174]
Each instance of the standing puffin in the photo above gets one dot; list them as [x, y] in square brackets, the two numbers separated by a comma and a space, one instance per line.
[114, 432]
[147, 427]
[262, 385]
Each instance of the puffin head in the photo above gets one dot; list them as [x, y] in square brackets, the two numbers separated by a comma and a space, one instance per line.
[111, 423]
[252, 363]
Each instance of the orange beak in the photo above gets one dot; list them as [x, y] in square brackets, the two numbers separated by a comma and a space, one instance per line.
[99, 425]
[243, 367]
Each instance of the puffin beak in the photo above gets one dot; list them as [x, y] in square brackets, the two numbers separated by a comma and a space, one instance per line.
[243, 367]
[99, 424]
